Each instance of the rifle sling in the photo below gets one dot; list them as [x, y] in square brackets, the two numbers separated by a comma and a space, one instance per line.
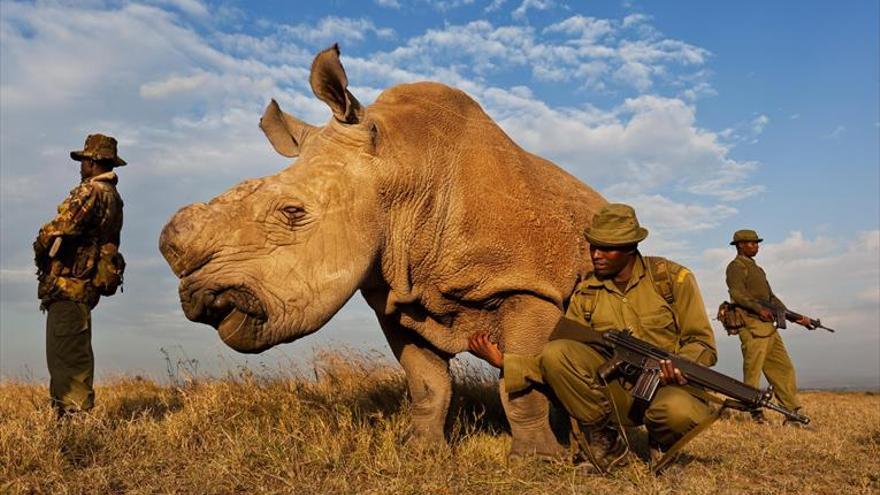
[669, 455]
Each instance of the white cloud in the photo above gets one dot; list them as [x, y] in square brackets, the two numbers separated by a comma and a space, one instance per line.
[523, 9]
[445, 5]
[394, 4]
[836, 133]
[587, 28]
[332, 29]
[590, 50]
[191, 7]
[759, 123]
[495, 5]
[635, 19]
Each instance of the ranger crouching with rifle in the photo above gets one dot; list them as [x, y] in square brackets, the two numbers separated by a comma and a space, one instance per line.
[762, 347]
[655, 299]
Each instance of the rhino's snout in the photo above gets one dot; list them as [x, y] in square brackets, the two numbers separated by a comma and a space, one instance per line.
[183, 243]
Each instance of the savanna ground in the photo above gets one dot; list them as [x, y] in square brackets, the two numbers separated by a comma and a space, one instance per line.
[340, 426]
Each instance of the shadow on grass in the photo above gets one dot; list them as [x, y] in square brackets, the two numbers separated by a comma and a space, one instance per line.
[152, 407]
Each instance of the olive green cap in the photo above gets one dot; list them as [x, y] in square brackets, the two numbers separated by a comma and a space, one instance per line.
[615, 225]
[745, 235]
[101, 148]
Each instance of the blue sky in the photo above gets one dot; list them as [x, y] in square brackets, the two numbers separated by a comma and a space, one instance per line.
[706, 116]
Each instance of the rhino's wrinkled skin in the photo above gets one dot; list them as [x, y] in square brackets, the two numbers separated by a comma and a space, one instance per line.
[422, 203]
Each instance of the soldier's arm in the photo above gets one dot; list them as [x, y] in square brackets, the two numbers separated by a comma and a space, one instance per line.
[736, 286]
[73, 216]
[575, 309]
[775, 301]
[697, 341]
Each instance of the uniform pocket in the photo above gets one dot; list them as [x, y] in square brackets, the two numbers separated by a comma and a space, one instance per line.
[66, 318]
[659, 320]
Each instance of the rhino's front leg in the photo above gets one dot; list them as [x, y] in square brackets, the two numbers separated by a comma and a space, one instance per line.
[428, 381]
[527, 323]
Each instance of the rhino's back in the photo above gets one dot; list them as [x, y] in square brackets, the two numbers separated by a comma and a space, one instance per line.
[495, 218]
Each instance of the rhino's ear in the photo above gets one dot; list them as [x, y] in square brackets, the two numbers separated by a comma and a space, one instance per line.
[286, 132]
[330, 85]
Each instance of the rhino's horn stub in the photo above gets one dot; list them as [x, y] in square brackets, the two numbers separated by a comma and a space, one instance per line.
[330, 84]
[285, 132]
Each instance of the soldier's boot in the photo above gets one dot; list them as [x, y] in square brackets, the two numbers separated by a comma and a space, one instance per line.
[602, 445]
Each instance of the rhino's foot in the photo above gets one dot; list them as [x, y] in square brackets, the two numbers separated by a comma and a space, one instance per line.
[426, 434]
[528, 414]
[539, 443]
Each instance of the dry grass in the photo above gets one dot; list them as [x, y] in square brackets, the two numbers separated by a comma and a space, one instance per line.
[341, 427]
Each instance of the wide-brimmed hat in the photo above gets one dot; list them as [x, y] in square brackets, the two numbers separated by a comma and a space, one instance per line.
[615, 225]
[99, 147]
[745, 235]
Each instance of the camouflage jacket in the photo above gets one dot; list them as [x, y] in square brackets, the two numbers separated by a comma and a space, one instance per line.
[89, 218]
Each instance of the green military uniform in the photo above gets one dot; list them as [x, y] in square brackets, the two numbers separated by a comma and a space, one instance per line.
[68, 252]
[680, 326]
[762, 347]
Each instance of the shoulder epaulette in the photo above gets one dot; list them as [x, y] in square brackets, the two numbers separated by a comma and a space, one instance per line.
[662, 272]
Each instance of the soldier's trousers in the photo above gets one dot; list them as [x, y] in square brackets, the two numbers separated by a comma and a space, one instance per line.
[768, 355]
[69, 356]
[569, 368]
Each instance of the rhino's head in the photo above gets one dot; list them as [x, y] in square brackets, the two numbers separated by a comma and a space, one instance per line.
[272, 259]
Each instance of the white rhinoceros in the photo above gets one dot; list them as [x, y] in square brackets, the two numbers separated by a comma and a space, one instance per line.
[422, 203]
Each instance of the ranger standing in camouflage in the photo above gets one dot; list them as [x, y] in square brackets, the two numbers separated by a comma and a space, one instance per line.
[78, 261]
[762, 347]
[654, 298]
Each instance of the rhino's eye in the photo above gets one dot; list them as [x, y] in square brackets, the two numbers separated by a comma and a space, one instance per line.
[296, 216]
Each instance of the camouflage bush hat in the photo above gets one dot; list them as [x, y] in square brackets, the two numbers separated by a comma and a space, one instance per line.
[99, 147]
[745, 235]
[615, 225]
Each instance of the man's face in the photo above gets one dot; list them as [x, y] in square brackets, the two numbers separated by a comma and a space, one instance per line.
[86, 169]
[609, 261]
[749, 248]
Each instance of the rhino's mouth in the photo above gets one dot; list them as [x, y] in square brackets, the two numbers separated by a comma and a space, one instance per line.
[236, 313]
[240, 330]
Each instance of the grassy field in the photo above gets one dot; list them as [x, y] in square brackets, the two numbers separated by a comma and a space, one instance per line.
[340, 426]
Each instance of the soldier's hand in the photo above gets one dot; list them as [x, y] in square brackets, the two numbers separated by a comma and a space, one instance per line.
[670, 374]
[766, 314]
[479, 345]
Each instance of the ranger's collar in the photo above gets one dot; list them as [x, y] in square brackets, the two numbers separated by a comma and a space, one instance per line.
[745, 258]
[106, 177]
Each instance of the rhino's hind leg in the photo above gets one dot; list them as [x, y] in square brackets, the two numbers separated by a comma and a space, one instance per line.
[527, 324]
[428, 381]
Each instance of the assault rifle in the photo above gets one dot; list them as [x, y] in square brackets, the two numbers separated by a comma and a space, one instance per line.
[782, 314]
[637, 360]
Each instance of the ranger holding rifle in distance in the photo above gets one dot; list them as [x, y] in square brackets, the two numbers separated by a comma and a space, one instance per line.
[755, 314]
